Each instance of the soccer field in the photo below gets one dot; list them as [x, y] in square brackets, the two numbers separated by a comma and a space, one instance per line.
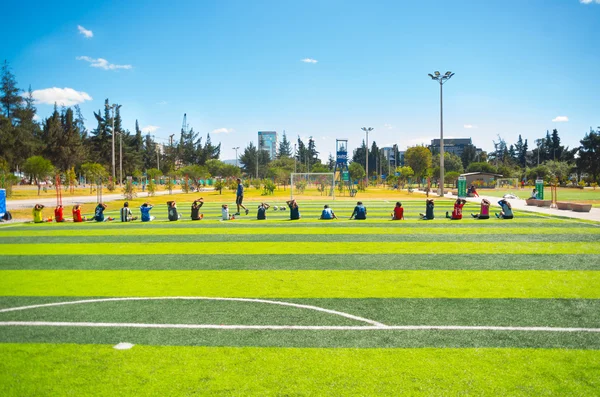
[278, 307]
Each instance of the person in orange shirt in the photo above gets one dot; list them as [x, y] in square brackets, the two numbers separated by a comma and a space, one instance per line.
[398, 212]
[58, 214]
[77, 213]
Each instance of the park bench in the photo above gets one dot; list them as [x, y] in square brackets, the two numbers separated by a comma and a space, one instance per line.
[544, 203]
[563, 205]
[531, 201]
[581, 207]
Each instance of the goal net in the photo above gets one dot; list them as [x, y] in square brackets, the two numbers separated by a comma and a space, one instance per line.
[312, 184]
[507, 183]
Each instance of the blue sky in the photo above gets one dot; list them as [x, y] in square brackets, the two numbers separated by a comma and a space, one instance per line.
[236, 67]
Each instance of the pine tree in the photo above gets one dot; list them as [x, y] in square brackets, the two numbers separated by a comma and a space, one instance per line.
[313, 155]
[9, 98]
[285, 149]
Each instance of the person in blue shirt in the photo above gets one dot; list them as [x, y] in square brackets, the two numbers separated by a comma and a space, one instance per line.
[327, 213]
[294, 210]
[360, 212]
[261, 214]
[239, 197]
[145, 210]
[506, 212]
[99, 213]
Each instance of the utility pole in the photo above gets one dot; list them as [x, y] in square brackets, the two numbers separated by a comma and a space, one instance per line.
[257, 157]
[295, 158]
[236, 156]
[367, 130]
[441, 79]
[120, 159]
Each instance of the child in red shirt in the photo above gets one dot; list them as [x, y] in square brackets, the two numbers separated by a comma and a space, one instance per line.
[58, 214]
[77, 213]
[398, 212]
[457, 213]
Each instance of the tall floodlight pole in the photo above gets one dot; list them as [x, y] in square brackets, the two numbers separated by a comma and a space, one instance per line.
[367, 130]
[295, 158]
[441, 79]
[236, 157]
[113, 140]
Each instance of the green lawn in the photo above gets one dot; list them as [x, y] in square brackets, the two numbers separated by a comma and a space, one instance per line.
[315, 307]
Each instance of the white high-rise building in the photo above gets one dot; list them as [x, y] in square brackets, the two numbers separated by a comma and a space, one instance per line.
[267, 140]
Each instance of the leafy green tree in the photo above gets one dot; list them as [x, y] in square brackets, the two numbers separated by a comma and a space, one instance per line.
[94, 173]
[285, 148]
[357, 171]
[405, 172]
[419, 159]
[559, 170]
[196, 173]
[589, 154]
[451, 177]
[482, 167]
[38, 169]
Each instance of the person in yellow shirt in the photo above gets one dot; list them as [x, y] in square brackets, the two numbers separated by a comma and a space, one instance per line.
[38, 217]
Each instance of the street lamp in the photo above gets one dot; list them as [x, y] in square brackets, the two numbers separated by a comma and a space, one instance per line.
[367, 130]
[441, 79]
[114, 107]
[236, 157]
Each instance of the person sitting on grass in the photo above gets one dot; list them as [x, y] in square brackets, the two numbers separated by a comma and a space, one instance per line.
[99, 213]
[58, 214]
[507, 212]
[294, 210]
[484, 212]
[173, 214]
[145, 210]
[457, 212]
[428, 215]
[225, 213]
[261, 214]
[398, 212]
[38, 217]
[327, 213]
[126, 214]
[360, 212]
[196, 205]
[77, 214]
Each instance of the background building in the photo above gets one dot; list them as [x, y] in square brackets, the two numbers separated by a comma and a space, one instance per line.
[455, 146]
[268, 141]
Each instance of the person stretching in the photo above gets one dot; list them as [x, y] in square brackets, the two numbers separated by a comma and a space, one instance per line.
[77, 213]
[294, 210]
[58, 214]
[145, 210]
[38, 217]
[172, 213]
[239, 197]
[126, 214]
[428, 215]
[484, 212]
[506, 212]
[327, 213]
[398, 212]
[99, 213]
[457, 213]
[196, 205]
[261, 214]
[360, 212]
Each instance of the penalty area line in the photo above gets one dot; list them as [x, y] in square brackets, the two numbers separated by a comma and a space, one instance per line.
[298, 327]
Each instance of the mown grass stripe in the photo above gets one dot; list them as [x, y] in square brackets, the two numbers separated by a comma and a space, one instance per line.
[331, 248]
[304, 284]
[303, 262]
[398, 228]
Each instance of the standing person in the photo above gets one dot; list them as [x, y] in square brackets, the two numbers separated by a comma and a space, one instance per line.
[398, 213]
[58, 214]
[173, 214]
[428, 215]
[38, 217]
[457, 212]
[99, 213]
[261, 213]
[294, 209]
[506, 212]
[360, 212]
[196, 205]
[126, 214]
[484, 212]
[77, 213]
[327, 213]
[239, 197]
[145, 210]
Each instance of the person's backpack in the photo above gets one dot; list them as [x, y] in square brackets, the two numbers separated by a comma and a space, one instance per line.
[7, 216]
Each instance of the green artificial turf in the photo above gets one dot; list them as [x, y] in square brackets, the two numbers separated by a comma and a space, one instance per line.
[99, 370]
[305, 284]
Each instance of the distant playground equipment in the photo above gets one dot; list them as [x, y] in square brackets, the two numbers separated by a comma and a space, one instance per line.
[341, 171]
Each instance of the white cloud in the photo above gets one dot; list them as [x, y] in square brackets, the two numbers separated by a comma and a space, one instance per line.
[560, 119]
[309, 60]
[162, 103]
[469, 126]
[103, 63]
[222, 131]
[150, 128]
[87, 33]
[589, 1]
[61, 96]
[36, 117]
[388, 126]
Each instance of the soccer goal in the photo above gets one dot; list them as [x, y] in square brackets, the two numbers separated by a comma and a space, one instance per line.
[312, 184]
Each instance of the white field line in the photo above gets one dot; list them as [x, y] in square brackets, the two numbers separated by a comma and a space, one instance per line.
[309, 307]
[299, 327]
